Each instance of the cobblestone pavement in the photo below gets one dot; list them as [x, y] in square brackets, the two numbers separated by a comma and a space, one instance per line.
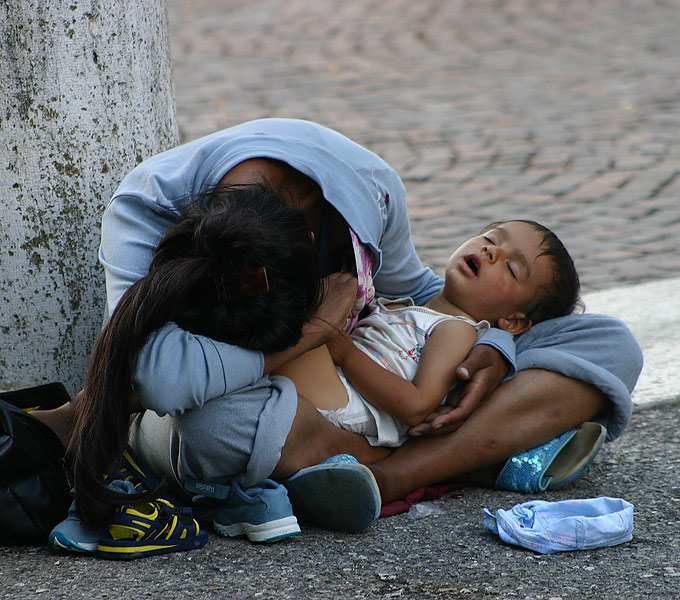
[565, 112]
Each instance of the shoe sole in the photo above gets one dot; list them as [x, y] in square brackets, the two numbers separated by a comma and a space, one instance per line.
[271, 531]
[130, 549]
[337, 496]
[57, 541]
[576, 455]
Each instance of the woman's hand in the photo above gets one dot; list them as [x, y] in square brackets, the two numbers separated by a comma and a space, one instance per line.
[340, 293]
[483, 370]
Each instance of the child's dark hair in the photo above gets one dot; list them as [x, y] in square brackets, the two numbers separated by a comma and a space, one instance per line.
[561, 298]
[200, 278]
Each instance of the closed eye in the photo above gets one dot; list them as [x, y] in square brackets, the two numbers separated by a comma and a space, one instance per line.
[488, 239]
[512, 271]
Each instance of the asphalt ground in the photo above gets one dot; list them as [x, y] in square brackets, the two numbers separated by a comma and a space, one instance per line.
[564, 112]
[446, 556]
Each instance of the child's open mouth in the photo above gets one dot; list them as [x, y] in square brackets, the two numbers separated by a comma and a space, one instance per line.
[473, 264]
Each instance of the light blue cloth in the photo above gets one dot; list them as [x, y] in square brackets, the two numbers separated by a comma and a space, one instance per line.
[595, 349]
[548, 527]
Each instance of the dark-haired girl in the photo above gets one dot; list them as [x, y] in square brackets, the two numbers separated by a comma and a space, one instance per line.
[239, 268]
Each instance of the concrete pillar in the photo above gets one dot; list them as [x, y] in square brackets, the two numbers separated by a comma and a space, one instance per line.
[86, 94]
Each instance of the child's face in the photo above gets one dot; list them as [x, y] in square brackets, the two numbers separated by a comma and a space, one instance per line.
[496, 275]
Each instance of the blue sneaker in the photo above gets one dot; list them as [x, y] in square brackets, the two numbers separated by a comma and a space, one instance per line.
[263, 512]
[338, 493]
[71, 535]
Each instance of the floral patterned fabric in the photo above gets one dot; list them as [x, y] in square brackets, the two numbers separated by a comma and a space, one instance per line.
[365, 288]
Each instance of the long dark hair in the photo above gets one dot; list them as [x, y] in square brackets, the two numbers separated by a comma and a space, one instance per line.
[195, 280]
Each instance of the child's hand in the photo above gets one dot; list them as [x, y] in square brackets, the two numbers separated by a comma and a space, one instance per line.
[61, 420]
[340, 294]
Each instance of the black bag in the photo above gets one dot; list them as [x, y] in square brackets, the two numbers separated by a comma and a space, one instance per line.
[34, 491]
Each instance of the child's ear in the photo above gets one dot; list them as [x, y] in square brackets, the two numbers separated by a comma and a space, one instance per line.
[515, 324]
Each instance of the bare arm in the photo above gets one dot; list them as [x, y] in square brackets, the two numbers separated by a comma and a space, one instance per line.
[408, 401]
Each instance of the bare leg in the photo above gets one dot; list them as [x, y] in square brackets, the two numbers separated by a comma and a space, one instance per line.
[529, 410]
[62, 419]
[316, 378]
[313, 439]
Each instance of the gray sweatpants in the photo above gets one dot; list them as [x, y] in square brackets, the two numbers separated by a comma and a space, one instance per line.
[239, 435]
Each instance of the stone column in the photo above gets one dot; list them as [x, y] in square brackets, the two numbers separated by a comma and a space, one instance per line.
[86, 95]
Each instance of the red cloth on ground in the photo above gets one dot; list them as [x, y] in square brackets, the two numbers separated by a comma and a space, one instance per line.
[428, 492]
